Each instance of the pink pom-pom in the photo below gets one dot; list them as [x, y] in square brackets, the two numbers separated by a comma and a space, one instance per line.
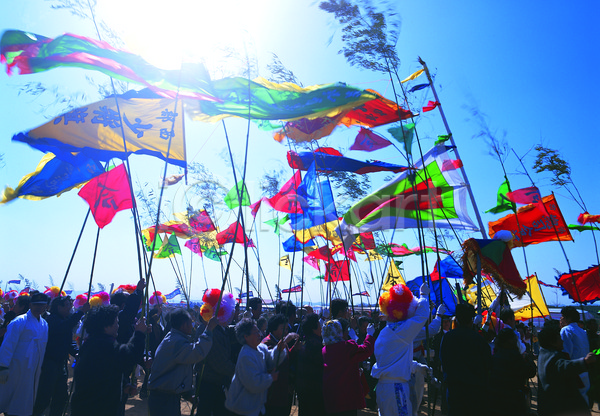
[54, 292]
[80, 300]
[157, 298]
[11, 295]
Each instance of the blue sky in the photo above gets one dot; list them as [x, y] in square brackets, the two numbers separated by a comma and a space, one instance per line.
[529, 66]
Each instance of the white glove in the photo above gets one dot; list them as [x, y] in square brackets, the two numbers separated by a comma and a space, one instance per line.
[370, 329]
[424, 290]
[441, 310]
[4, 376]
[478, 320]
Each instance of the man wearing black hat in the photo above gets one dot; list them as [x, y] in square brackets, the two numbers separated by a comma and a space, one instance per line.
[21, 357]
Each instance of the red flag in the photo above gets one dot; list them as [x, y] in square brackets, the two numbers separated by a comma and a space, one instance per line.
[229, 235]
[287, 198]
[536, 224]
[349, 254]
[329, 151]
[201, 222]
[585, 218]
[451, 164]
[108, 194]
[368, 141]
[256, 206]
[337, 271]
[431, 105]
[322, 253]
[582, 286]
[529, 195]
[295, 289]
[435, 274]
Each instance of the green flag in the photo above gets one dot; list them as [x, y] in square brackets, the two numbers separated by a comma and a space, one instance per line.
[285, 219]
[581, 228]
[169, 248]
[319, 277]
[273, 222]
[442, 138]
[213, 253]
[232, 200]
[404, 134]
[503, 203]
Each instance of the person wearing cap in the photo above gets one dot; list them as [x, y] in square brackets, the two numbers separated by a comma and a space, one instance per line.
[21, 358]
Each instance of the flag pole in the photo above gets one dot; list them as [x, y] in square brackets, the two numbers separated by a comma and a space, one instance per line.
[462, 169]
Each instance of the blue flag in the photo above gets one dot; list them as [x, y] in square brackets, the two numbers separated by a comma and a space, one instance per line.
[173, 294]
[448, 298]
[293, 244]
[316, 200]
[16, 282]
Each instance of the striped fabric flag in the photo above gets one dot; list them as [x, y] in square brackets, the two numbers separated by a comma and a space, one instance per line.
[295, 289]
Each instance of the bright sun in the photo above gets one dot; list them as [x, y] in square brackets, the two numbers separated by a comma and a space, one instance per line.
[167, 33]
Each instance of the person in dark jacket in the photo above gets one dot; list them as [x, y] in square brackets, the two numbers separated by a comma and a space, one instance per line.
[53, 390]
[466, 362]
[215, 373]
[510, 372]
[172, 375]
[558, 377]
[309, 376]
[102, 361]
[281, 392]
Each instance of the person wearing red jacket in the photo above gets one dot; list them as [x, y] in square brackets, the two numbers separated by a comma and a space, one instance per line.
[342, 387]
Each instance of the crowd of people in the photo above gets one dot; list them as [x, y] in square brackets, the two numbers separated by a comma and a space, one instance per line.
[262, 361]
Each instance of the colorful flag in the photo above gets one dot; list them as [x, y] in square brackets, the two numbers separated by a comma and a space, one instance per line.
[232, 200]
[332, 163]
[194, 245]
[319, 277]
[404, 135]
[96, 130]
[230, 235]
[418, 87]
[52, 177]
[502, 201]
[585, 218]
[413, 76]
[108, 194]
[583, 285]
[548, 285]
[16, 282]
[286, 200]
[442, 138]
[312, 262]
[369, 141]
[172, 180]
[293, 244]
[393, 277]
[377, 112]
[256, 206]
[535, 225]
[496, 260]
[173, 294]
[169, 248]
[401, 250]
[328, 231]
[31, 53]
[245, 295]
[447, 268]
[431, 105]
[284, 262]
[322, 253]
[411, 199]
[148, 239]
[295, 289]
[273, 222]
[307, 130]
[337, 271]
[200, 221]
[529, 195]
[363, 293]
[452, 164]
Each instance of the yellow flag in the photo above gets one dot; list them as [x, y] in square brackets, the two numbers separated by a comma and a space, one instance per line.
[327, 231]
[393, 277]
[538, 304]
[285, 262]
[373, 255]
[413, 76]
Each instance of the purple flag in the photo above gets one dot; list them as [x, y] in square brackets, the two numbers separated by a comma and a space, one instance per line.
[368, 141]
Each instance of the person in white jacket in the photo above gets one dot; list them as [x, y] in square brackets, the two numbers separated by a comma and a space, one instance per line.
[394, 347]
[255, 371]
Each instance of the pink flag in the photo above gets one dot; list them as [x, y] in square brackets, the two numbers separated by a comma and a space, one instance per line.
[108, 194]
[368, 141]
[451, 164]
[312, 262]
[194, 245]
[529, 195]
[255, 207]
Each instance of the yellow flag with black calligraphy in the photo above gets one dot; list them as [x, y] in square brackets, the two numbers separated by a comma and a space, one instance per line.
[393, 277]
[285, 262]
